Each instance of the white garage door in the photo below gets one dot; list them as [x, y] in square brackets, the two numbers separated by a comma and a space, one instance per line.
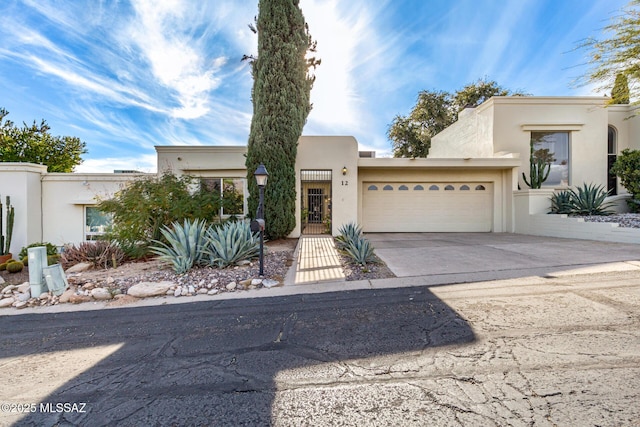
[427, 207]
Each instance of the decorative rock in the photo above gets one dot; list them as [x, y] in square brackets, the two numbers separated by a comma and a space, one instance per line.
[1, 280]
[119, 296]
[177, 292]
[202, 291]
[256, 282]
[149, 289]
[231, 286]
[44, 296]
[21, 304]
[9, 289]
[184, 292]
[191, 289]
[213, 292]
[79, 268]
[245, 283]
[66, 296]
[270, 283]
[243, 262]
[110, 280]
[7, 302]
[88, 286]
[116, 291]
[24, 287]
[170, 291]
[77, 299]
[101, 294]
[24, 296]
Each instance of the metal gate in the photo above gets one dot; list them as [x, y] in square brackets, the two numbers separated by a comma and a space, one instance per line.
[315, 201]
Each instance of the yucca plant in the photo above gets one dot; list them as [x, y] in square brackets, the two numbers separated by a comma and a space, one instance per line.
[186, 244]
[561, 202]
[348, 233]
[589, 200]
[230, 243]
[360, 251]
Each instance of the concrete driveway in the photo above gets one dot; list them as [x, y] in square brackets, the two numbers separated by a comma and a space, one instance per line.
[468, 257]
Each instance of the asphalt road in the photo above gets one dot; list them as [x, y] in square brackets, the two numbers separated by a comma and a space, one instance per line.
[534, 351]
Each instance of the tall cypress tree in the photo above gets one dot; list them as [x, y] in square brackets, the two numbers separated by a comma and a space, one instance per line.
[620, 92]
[281, 90]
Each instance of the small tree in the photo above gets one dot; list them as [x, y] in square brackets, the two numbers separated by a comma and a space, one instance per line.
[281, 103]
[35, 144]
[434, 111]
[627, 168]
[140, 210]
[620, 92]
[617, 54]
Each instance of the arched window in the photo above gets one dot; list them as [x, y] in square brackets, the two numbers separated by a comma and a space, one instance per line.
[372, 188]
[387, 188]
[449, 188]
[403, 188]
[418, 188]
[480, 188]
[465, 187]
[434, 188]
[612, 143]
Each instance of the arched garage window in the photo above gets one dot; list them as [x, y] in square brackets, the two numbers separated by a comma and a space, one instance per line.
[403, 188]
[449, 188]
[418, 188]
[372, 188]
[387, 188]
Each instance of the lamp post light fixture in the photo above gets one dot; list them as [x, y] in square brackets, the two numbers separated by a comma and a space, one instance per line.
[261, 175]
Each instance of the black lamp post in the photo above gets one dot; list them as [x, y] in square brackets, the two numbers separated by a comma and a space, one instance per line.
[261, 175]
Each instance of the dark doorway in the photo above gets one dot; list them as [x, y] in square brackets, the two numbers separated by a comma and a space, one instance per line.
[612, 179]
[315, 201]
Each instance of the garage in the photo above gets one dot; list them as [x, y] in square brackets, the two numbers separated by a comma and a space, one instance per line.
[427, 206]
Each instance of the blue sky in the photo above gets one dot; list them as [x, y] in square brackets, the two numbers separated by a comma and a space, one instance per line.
[126, 75]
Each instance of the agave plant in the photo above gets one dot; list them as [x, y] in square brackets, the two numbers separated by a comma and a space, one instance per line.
[360, 251]
[185, 244]
[230, 243]
[589, 200]
[562, 202]
[348, 233]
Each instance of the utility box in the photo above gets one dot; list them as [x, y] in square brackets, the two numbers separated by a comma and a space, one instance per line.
[37, 260]
[56, 279]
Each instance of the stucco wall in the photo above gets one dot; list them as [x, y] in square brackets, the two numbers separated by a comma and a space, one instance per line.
[465, 138]
[585, 118]
[331, 153]
[21, 182]
[64, 197]
[228, 162]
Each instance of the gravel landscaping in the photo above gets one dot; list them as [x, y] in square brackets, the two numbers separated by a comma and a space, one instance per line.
[629, 220]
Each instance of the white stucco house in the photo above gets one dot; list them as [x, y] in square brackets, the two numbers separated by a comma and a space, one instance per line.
[471, 181]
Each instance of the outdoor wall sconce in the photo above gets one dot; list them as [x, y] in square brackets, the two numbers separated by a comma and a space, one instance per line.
[344, 170]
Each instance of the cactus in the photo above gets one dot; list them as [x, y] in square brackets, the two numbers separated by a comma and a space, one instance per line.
[15, 267]
[5, 240]
[539, 167]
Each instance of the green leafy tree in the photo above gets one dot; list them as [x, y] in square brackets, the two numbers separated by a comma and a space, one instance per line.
[617, 54]
[627, 168]
[142, 208]
[35, 144]
[282, 83]
[620, 92]
[434, 111]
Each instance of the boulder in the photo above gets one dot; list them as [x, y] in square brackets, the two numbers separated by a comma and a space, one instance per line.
[149, 289]
[80, 267]
[23, 288]
[66, 296]
[101, 294]
[7, 302]
[77, 299]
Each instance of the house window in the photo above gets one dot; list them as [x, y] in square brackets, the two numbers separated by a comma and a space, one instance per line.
[96, 223]
[231, 191]
[612, 179]
[403, 188]
[372, 188]
[554, 148]
[387, 188]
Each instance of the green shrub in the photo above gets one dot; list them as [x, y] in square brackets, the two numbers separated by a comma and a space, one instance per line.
[100, 253]
[231, 242]
[627, 168]
[589, 200]
[561, 202]
[15, 267]
[185, 247]
[360, 251]
[51, 249]
[148, 204]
